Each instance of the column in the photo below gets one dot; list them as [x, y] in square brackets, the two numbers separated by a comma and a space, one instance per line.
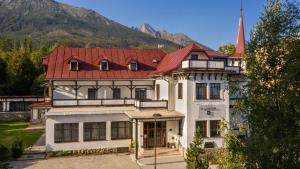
[80, 128]
[136, 140]
[208, 90]
[108, 130]
[208, 128]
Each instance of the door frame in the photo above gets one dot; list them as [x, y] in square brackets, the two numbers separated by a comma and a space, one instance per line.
[162, 131]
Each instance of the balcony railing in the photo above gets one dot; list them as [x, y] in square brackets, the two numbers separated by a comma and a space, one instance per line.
[209, 64]
[235, 69]
[111, 102]
[151, 103]
[202, 64]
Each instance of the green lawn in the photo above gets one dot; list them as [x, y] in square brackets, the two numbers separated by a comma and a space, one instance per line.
[10, 131]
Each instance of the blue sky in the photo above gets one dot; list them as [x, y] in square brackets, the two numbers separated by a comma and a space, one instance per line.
[211, 22]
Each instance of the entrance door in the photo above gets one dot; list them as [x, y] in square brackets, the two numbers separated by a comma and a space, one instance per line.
[149, 134]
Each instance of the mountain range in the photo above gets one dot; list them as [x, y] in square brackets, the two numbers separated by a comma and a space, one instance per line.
[178, 38]
[49, 21]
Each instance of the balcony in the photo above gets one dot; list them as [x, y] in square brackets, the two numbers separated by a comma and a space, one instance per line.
[112, 102]
[151, 103]
[202, 64]
[234, 69]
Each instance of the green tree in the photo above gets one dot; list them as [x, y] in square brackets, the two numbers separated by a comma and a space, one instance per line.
[195, 156]
[271, 101]
[37, 87]
[21, 72]
[227, 48]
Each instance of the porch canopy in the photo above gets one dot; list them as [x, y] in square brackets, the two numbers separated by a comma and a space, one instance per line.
[144, 115]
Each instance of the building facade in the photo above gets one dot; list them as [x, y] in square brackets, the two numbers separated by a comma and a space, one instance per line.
[111, 98]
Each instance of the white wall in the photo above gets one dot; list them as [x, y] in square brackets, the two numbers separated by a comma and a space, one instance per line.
[164, 89]
[194, 110]
[108, 143]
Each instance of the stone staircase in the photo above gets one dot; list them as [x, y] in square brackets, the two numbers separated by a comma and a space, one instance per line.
[160, 151]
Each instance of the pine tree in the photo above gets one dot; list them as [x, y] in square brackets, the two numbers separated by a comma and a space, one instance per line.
[271, 103]
[195, 156]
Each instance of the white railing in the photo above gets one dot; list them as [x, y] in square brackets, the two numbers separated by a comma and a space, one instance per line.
[202, 64]
[113, 102]
[215, 65]
[235, 69]
[151, 104]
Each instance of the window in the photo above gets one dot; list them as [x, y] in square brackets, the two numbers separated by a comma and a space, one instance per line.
[104, 65]
[214, 128]
[133, 66]
[92, 94]
[66, 132]
[157, 92]
[215, 89]
[140, 93]
[202, 127]
[116, 93]
[19, 106]
[1, 106]
[201, 91]
[94, 131]
[194, 57]
[73, 65]
[180, 127]
[121, 130]
[179, 90]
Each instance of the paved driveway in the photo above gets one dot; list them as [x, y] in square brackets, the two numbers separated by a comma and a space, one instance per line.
[110, 161]
[169, 162]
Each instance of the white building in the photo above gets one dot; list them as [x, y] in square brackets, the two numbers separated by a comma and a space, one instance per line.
[107, 98]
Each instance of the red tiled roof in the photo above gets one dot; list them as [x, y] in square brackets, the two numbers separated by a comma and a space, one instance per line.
[41, 104]
[88, 58]
[173, 60]
[57, 62]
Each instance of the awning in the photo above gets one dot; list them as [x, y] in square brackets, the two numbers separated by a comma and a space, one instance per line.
[148, 114]
[88, 110]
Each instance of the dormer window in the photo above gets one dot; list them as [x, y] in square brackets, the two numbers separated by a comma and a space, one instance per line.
[194, 57]
[74, 65]
[104, 65]
[133, 66]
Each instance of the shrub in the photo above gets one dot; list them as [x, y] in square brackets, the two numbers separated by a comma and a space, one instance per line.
[4, 153]
[17, 148]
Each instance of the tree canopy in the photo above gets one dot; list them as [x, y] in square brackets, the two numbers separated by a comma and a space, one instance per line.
[271, 101]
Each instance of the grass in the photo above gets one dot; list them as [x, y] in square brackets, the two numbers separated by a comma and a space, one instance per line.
[10, 131]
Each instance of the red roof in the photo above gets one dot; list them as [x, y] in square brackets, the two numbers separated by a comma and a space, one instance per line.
[88, 58]
[57, 62]
[173, 60]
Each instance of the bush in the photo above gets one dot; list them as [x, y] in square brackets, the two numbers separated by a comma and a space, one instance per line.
[17, 148]
[4, 153]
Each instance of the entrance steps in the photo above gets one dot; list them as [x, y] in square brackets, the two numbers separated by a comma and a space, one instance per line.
[160, 151]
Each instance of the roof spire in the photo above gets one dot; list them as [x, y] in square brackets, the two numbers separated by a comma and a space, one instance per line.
[240, 46]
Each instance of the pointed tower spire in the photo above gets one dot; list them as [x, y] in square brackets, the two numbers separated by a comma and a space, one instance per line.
[240, 45]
